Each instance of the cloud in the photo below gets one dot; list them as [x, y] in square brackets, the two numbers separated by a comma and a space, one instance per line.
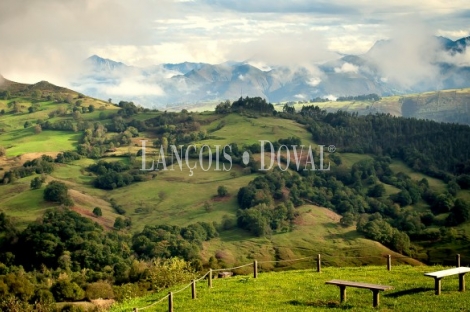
[284, 49]
[347, 68]
[132, 88]
[409, 57]
[282, 6]
[48, 39]
[314, 81]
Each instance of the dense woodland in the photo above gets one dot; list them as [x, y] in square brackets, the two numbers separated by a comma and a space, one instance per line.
[66, 257]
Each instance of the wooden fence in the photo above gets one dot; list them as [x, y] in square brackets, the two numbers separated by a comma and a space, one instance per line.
[209, 275]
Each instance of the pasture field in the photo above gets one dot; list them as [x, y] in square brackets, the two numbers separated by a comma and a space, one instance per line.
[305, 290]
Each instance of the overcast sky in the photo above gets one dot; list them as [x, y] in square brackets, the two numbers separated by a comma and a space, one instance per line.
[47, 39]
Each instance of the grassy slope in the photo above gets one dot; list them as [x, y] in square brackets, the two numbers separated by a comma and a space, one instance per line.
[316, 230]
[393, 105]
[306, 291]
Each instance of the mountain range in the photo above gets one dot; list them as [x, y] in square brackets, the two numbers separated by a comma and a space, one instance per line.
[390, 67]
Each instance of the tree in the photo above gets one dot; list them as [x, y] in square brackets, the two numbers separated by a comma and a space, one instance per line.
[222, 191]
[64, 290]
[347, 220]
[56, 191]
[110, 100]
[7, 95]
[208, 207]
[69, 99]
[27, 124]
[97, 212]
[377, 190]
[91, 108]
[442, 204]
[36, 94]
[119, 223]
[16, 106]
[36, 183]
[460, 213]
[76, 115]
[37, 129]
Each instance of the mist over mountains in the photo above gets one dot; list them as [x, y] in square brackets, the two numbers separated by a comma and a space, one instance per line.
[390, 67]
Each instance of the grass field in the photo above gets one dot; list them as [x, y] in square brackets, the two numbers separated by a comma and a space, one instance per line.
[24, 141]
[305, 290]
[244, 130]
[399, 166]
[316, 230]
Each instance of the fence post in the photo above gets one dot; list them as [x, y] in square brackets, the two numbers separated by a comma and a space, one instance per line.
[193, 289]
[210, 278]
[457, 258]
[319, 263]
[255, 269]
[170, 302]
[389, 263]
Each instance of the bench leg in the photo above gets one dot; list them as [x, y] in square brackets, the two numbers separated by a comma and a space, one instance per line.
[375, 296]
[462, 282]
[437, 285]
[342, 293]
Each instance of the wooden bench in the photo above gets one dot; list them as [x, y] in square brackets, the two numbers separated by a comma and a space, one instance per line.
[374, 287]
[438, 275]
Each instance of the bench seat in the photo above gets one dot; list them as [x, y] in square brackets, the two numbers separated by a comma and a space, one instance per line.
[438, 275]
[374, 287]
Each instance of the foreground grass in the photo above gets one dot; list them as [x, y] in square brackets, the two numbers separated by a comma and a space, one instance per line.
[306, 291]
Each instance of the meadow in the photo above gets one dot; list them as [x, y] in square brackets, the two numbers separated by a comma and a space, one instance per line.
[305, 290]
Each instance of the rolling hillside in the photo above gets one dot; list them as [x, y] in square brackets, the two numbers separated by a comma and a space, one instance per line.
[174, 197]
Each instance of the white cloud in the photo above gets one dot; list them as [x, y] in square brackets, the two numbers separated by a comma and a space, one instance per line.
[347, 68]
[315, 81]
[132, 88]
[47, 39]
[409, 57]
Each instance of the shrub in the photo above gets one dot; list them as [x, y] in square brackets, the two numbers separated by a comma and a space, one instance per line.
[67, 291]
[99, 290]
[56, 191]
[222, 191]
[36, 183]
[97, 212]
[72, 308]
[166, 273]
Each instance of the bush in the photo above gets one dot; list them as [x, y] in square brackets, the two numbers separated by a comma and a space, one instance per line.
[43, 295]
[67, 291]
[128, 291]
[56, 191]
[99, 290]
[72, 308]
[97, 212]
[166, 273]
[222, 191]
[36, 183]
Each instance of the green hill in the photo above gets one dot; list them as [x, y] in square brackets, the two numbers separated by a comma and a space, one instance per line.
[442, 106]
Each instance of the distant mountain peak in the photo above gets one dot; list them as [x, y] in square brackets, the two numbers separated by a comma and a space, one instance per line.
[103, 63]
